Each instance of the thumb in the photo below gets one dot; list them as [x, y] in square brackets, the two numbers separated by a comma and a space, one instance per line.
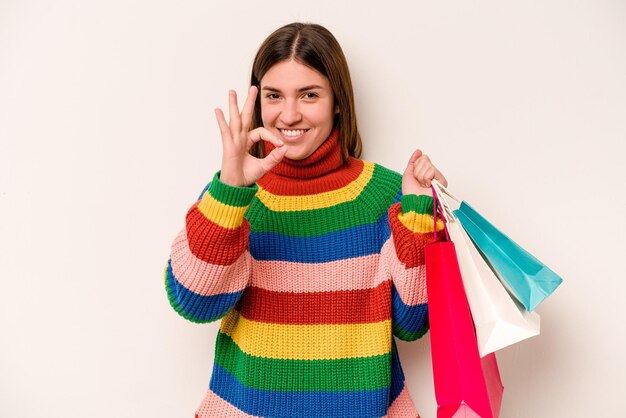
[273, 158]
[409, 167]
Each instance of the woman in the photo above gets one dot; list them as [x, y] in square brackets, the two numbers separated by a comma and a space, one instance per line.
[312, 257]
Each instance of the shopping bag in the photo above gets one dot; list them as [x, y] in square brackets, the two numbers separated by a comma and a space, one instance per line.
[494, 390]
[527, 278]
[498, 319]
[461, 382]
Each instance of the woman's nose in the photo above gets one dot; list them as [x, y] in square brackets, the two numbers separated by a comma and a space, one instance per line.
[290, 113]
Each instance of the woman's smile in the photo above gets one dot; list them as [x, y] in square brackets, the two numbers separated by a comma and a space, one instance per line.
[292, 134]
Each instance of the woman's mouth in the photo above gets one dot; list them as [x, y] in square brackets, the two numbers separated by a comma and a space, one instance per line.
[292, 133]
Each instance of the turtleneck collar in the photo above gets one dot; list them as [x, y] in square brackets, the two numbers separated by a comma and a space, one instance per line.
[325, 159]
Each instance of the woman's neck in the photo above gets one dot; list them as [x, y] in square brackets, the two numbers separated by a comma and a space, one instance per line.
[325, 159]
[320, 172]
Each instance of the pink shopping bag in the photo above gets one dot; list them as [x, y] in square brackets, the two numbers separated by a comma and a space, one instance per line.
[465, 384]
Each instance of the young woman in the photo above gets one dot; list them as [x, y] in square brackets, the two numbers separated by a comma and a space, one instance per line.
[312, 256]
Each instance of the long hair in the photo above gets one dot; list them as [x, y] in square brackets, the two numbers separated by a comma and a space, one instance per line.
[314, 46]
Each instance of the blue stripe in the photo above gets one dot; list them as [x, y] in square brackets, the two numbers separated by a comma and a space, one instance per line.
[352, 242]
[410, 318]
[397, 375]
[195, 307]
[204, 190]
[267, 403]
[398, 196]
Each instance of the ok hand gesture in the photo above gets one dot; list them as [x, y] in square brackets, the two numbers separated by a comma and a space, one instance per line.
[238, 167]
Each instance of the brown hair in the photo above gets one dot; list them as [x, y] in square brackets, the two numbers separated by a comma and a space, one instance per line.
[314, 46]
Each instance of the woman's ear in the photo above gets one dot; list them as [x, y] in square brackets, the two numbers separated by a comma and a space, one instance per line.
[336, 109]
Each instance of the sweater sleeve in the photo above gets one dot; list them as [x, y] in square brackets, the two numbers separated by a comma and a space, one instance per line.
[209, 265]
[411, 222]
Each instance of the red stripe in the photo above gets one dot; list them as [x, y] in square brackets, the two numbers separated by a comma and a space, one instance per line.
[295, 187]
[339, 307]
[408, 245]
[212, 243]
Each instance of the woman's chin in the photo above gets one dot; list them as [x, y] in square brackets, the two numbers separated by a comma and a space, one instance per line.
[296, 154]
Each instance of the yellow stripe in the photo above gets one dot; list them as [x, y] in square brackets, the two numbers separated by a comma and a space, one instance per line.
[319, 200]
[224, 215]
[419, 222]
[307, 342]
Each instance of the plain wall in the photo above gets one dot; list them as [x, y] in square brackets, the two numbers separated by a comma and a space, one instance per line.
[107, 136]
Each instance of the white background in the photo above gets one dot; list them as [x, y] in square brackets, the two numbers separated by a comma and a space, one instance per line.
[108, 135]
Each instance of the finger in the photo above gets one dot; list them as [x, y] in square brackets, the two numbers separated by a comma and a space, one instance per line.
[409, 167]
[419, 165]
[416, 154]
[248, 109]
[441, 178]
[273, 158]
[221, 121]
[424, 171]
[257, 134]
[425, 175]
[428, 176]
[233, 111]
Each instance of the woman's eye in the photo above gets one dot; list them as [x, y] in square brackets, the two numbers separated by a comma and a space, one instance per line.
[310, 95]
[272, 96]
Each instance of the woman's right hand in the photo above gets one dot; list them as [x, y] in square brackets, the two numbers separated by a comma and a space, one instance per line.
[239, 168]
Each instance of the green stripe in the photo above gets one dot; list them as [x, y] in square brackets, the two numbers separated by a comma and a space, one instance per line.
[363, 373]
[379, 193]
[421, 204]
[409, 336]
[231, 195]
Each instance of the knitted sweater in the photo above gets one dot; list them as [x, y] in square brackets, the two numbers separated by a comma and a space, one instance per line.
[313, 269]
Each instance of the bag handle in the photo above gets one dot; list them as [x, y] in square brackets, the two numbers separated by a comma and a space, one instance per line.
[444, 190]
[437, 208]
[447, 210]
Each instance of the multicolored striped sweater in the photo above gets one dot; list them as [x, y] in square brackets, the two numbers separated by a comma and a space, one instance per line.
[313, 269]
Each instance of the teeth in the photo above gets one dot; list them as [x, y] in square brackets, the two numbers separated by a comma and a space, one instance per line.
[293, 132]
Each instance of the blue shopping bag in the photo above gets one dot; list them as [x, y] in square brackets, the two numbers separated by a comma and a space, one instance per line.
[526, 278]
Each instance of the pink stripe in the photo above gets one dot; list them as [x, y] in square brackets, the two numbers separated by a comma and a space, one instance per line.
[213, 406]
[350, 274]
[403, 406]
[410, 283]
[204, 278]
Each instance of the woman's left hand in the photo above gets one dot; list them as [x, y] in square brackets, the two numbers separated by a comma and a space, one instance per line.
[419, 174]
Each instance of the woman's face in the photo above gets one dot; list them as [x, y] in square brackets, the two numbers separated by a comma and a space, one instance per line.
[297, 105]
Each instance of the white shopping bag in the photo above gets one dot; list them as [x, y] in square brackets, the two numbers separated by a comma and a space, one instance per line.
[499, 319]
